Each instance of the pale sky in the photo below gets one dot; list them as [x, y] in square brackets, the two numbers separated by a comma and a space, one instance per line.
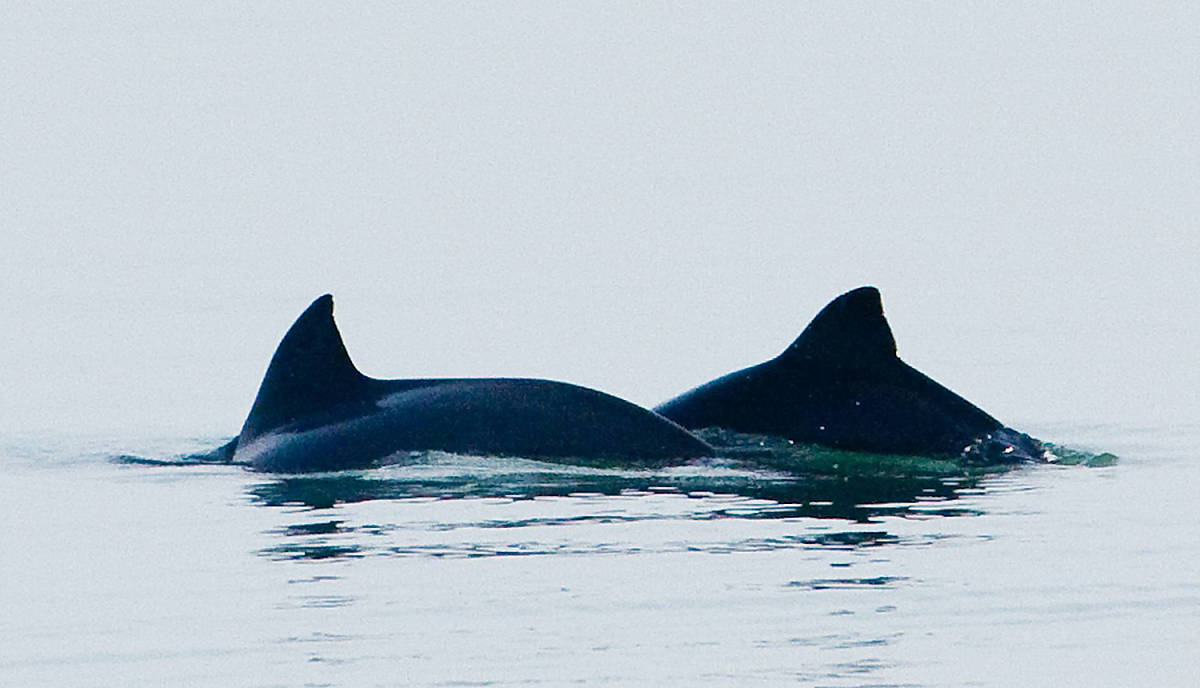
[634, 197]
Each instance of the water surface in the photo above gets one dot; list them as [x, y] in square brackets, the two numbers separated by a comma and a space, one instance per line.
[483, 571]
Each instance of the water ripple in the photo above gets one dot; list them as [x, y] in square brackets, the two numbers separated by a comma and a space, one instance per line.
[847, 583]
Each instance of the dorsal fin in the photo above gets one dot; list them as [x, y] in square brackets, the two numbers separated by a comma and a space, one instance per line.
[851, 330]
[310, 371]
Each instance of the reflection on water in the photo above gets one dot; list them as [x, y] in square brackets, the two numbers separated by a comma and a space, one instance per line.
[847, 583]
[832, 484]
[317, 602]
[852, 498]
[314, 549]
[442, 506]
[436, 503]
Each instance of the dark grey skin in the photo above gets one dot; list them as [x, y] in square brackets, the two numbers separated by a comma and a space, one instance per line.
[840, 384]
[316, 412]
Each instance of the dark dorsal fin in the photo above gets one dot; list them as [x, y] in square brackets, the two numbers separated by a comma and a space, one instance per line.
[851, 330]
[310, 372]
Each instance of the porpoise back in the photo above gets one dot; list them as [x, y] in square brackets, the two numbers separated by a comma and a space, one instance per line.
[841, 384]
[316, 412]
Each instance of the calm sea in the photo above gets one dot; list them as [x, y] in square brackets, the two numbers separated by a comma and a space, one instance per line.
[460, 571]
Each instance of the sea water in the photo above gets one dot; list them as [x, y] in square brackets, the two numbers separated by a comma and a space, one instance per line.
[446, 570]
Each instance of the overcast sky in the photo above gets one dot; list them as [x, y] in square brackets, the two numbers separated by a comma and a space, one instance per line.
[634, 197]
